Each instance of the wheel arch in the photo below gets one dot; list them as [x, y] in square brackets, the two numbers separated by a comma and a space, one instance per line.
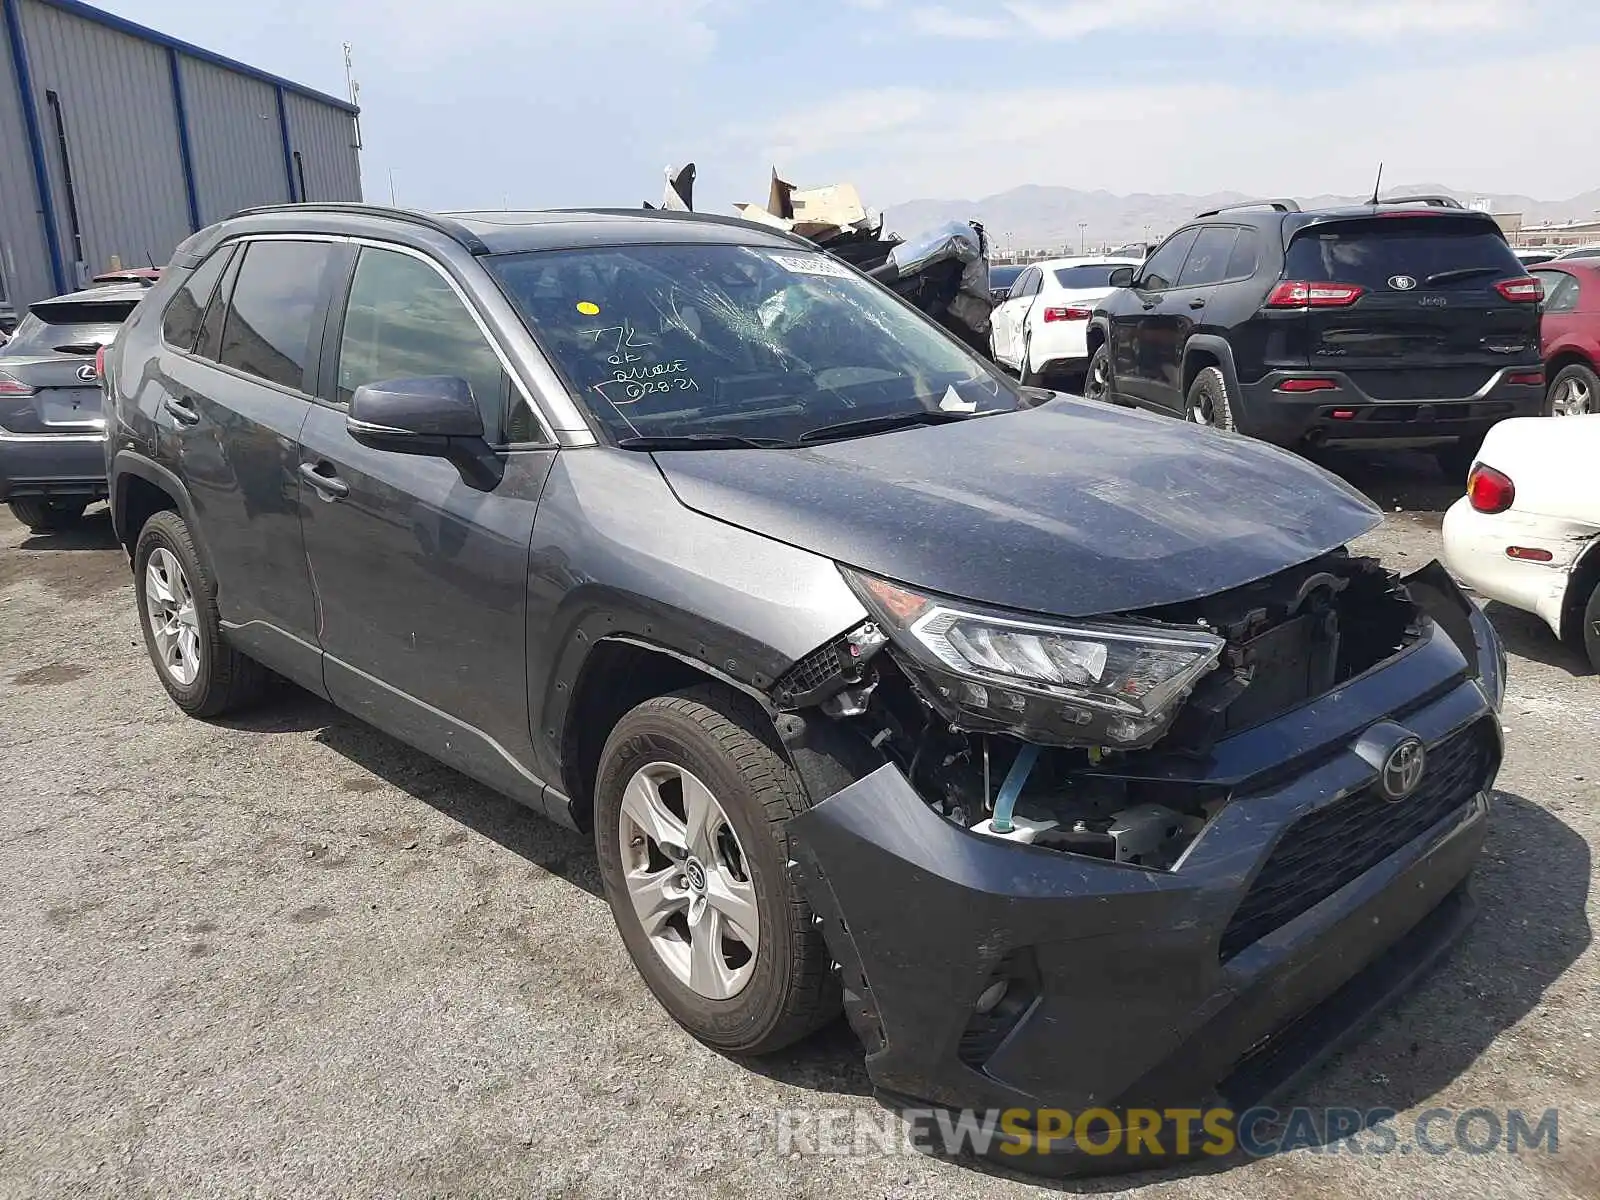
[618, 672]
[140, 488]
[1205, 350]
[1584, 579]
[1564, 357]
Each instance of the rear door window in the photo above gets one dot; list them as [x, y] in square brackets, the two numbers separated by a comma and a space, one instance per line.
[274, 308]
[1433, 252]
[181, 322]
[1208, 261]
[1164, 265]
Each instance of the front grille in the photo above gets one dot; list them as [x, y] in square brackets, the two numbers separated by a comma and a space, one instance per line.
[1326, 849]
[1422, 383]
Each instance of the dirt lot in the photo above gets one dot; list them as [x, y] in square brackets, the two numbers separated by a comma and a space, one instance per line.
[286, 955]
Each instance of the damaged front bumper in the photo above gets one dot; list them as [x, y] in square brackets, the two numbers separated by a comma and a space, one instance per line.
[988, 975]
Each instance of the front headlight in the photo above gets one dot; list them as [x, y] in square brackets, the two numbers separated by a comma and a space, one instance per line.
[1084, 682]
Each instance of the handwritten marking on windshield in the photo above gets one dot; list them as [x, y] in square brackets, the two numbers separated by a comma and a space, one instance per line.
[623, 345]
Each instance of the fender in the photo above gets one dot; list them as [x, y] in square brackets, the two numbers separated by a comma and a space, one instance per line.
[128, 463]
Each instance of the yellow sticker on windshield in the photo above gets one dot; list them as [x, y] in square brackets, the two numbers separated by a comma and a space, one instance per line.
[588, 308]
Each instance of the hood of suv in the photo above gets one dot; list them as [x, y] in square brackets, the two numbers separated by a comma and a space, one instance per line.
[1072, 508]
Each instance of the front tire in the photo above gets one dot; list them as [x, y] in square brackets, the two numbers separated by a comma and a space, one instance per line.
[43, 515]
[204, 675]
[1575, 391]
[1209, 402]
[690, 812]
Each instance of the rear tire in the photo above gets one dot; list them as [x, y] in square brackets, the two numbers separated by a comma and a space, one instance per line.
[1099, 383]
[1209, 403]
[1455, 460]
[1575, 391]
[44, 515]
[706, 742]
[1026, 375]
[204, 675]
[1591, 628]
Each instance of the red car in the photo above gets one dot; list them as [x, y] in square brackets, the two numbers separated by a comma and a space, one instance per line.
[1570, 335]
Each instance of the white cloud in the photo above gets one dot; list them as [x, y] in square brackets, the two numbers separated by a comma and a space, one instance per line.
[1071, 19]
[1436, 124]
[942, 22]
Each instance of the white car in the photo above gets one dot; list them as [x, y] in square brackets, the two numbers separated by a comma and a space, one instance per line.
[1527, 533]
[1042, 324]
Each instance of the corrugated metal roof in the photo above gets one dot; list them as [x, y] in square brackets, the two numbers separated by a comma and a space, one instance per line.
[112, 21]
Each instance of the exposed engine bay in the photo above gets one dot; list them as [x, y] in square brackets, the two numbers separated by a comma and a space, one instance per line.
[1284, 640]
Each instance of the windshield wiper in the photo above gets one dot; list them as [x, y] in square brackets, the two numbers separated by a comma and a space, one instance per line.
[700, 441]
[865, 425]
[84, 348]
[1460, 273]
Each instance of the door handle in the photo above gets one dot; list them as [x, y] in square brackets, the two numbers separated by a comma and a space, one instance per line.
[320, 476]
[1197, 302]
[181, 409]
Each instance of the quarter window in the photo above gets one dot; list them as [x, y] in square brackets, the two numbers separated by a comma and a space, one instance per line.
[1560, 290]
[267, 332]
[181, 322]
[1245, 258]
[404, 321]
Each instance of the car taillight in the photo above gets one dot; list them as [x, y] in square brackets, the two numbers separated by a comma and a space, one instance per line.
[1304, 293]
[1527, 378]
[13, 387]
[1067, 314]
[100, 362]
[1490, 491]
[1521, 291]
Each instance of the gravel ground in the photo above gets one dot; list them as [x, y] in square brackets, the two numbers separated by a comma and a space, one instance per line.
[287, 956]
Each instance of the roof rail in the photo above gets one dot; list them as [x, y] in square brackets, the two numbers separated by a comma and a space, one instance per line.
[454, 230]
[1428, 201]
[668, 214]
[1283, 206]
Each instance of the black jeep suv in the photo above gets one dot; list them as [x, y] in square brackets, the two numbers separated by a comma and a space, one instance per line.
[1408, 322]
[879, 680]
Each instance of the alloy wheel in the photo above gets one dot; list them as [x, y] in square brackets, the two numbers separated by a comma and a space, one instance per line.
[170, 611]
[1572, 400]
[688, 880]
[1098, 385]
[1202, 409]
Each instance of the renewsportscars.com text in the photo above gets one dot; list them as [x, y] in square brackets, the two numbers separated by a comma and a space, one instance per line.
[1165, 1133]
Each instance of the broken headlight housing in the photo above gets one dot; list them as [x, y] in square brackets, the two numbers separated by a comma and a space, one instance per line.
[1115, 684]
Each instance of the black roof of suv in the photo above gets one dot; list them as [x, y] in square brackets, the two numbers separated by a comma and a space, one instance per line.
[868, 670]
[1404, 322]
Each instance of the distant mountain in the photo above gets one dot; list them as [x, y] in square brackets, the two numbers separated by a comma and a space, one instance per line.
[1035, 217]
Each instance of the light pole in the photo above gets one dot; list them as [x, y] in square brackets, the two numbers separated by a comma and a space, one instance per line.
[1083, 233]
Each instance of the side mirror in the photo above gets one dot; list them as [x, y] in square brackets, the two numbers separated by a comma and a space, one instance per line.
[415, 416]
[1122, 277]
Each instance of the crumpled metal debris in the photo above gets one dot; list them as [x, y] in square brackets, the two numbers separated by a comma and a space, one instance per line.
[944, 272]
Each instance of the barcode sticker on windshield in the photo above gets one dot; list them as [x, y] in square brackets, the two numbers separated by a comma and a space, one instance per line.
[811, 264]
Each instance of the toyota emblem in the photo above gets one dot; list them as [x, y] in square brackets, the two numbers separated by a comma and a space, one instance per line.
[1402, 283]
[87, 373]
[1402, 770]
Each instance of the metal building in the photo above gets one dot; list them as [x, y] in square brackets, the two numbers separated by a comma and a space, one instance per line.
[117, 142]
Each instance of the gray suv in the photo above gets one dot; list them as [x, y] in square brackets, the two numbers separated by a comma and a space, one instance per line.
[52, 458]
[984, 715]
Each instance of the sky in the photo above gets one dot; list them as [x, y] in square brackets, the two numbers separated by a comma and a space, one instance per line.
[539, 103]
